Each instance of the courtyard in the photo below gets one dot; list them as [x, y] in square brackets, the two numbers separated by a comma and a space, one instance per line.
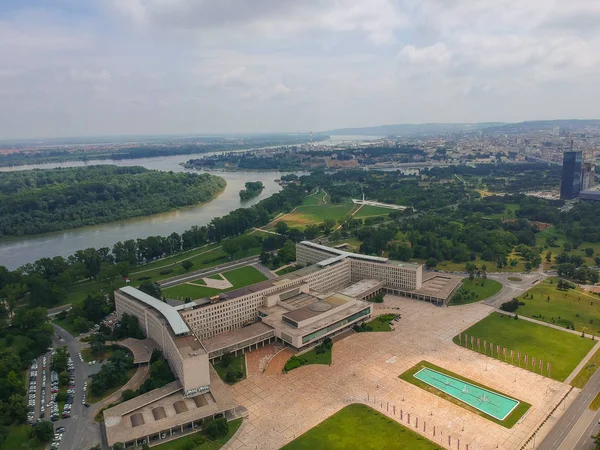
[365, 369]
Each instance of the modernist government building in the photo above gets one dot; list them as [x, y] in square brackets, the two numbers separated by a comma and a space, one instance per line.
[326, 297]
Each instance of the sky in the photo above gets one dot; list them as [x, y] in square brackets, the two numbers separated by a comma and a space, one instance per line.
[110, 67]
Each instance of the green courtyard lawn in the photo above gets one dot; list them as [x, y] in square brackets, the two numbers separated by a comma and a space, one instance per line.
[238, 363]
[310, 357]
[358, 427]
[562, 349]
[180, 443]
[372, 211]
[18, 438]
[483, 288]
[381, 323]
[565, 307]
[240, 277]
[587, 371]
[510, 420]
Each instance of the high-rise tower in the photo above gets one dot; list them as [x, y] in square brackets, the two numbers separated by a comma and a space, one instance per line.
[571, 175]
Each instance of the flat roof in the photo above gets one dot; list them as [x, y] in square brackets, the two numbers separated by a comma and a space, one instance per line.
[189, 346]
[235, 337]
[356, 289]
[305, 312]
[176, 323]
[339, 252]
[439, 285]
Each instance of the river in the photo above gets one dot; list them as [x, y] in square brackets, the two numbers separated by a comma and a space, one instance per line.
[16, 251]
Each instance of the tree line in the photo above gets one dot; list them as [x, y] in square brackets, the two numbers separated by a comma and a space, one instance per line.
[39, 201]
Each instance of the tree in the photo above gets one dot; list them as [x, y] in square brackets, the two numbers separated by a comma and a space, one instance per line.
[596, 439]
[44, 431]
[187, 265]
[589, 252]
[63, 378]
[216, 428]
[287, 253]
[151, 288]
[60, 359]
[97, 346]
[431, 263]
[311, 231]
[281, 227]
[484, 271]
[264, 257]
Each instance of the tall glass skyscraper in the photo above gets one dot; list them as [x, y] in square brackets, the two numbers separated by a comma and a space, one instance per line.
[571, 175]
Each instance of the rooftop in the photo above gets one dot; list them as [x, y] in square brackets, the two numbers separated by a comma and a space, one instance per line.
[357, 289]
[176, 323]
[306, 312]
[337, 251]
[234, 337]
[189, 346]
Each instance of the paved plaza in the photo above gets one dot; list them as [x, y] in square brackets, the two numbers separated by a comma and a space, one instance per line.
[365, 369]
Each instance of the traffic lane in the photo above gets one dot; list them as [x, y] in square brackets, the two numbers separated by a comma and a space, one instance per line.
[586, 442]
[563, 426]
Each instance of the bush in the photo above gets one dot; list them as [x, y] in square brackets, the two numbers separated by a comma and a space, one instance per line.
[377, 299]
[510, 306]
[216, 428]
[128, 394]
[165, 272]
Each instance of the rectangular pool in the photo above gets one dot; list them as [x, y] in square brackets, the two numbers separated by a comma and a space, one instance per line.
[496, 405]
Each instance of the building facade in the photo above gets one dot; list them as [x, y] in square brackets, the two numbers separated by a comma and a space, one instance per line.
[570, 185]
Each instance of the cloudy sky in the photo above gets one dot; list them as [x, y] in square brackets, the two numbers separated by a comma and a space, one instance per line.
[94, 67]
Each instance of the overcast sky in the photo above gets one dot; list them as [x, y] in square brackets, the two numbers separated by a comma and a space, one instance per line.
[94, 67]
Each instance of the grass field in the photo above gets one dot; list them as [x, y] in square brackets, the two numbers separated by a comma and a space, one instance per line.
[180, 443]
[305, 215]
[595, 405]
[510, 420]
[587, 371]
[243, 276]
[562, 349]
[237, 363]
[358, 427]
[372, 211]
[484, 288]
[314, 199]
[572, 307]
[381, 323]
[561, 239]
[18, 438]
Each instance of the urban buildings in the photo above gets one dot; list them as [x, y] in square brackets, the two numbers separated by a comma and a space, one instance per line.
[571, 175]
[299, 309]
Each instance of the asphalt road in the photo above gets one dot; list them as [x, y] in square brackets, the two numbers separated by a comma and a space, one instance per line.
[77, 425]
[566, 423]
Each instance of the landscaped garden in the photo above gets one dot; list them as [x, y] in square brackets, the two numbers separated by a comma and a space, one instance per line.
[475, 290]
[509, 421]
[321, 354]
[202, 440]
[563, 350]
[243, 276]
[231, 368]
[358, 427]
[381, 323]
[563, 307]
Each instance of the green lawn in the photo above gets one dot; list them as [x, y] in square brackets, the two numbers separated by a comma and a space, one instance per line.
[305, 215]
[571, 307]
[450, 266]
[509, 422]
[562, 349]
[18, 438]
[91, 398]
[587, 371]
[240, 277]
[310, 357]
[595, 405]
[314, 199]
[65, 324]
[381, 323]
[372, 211]
[87, 356]
[177, 444]
[561, 239]
[237, 363]
[484, 288]
[358, 427]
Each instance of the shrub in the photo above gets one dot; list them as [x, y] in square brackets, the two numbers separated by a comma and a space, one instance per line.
[128, 394]
[216, 428]
[510, 306]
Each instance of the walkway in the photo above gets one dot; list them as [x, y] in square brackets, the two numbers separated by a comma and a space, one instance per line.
[276, 365]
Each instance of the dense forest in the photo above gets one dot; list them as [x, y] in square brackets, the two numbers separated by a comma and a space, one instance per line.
[38, 201]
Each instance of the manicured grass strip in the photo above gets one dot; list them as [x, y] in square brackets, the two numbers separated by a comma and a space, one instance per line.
[381, 323]
[216, 276]
[587, 371]
[240, 277]
[562, 307]
[595, 405]
[372, 211]
[483, 288]
[358, 427]
[237, 363]
[509, 422]
[180, 443]
[515, 279]
[562, 349]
